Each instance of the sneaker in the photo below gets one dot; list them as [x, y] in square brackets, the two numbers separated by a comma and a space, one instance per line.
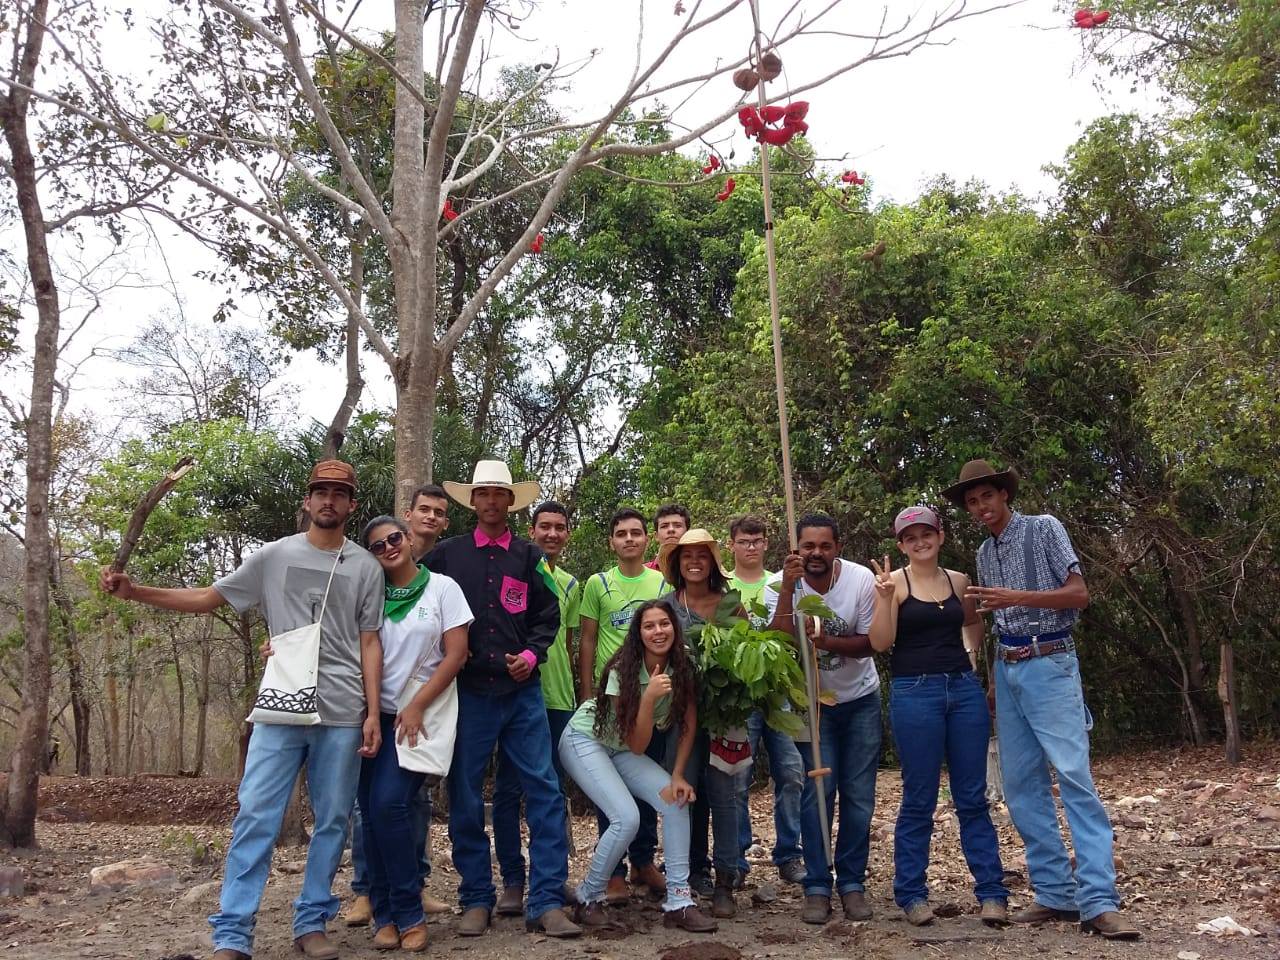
[855, 905]
[617, 892]
[1110, 926]
[1039, 913]
[510, 902]
[792, 871]
[702, 885]
[919, 914]
[359, 913]
[994, 913]
[817, 908]
[690, 919]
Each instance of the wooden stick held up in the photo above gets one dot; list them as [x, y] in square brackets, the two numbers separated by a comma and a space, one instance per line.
[133, 532]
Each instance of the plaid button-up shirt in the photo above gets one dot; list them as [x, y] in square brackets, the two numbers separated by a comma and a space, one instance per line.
[1031, 553]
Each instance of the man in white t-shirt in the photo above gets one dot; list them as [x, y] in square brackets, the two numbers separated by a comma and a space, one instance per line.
[850, 730]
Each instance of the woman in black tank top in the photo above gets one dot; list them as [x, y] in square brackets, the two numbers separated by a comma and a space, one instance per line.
[938, 712]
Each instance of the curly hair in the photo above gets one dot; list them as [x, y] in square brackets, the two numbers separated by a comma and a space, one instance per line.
[626, 663]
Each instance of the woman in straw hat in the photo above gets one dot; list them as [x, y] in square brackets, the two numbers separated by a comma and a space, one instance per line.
[701, 595]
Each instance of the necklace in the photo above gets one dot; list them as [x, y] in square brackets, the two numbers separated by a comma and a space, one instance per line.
[934, 600]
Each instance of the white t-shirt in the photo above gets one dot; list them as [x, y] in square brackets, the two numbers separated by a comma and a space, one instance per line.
[441, 607]
[852, 598]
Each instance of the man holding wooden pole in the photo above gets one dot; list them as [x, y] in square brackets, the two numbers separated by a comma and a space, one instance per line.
[286, 580]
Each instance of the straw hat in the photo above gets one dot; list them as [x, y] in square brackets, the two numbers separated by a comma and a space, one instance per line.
[494, 473]
[979, 471]
[692, 538]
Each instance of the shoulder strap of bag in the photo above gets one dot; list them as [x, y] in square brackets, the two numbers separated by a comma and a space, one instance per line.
[427, 654]
[1029, 547]
[336, 560]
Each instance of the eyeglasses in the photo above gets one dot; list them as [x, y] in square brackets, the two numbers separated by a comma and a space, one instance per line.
[755, 544]
[379, 547]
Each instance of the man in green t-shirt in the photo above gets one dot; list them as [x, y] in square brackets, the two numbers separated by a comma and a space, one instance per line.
[609, 600]
[748, 542]
[550, 531]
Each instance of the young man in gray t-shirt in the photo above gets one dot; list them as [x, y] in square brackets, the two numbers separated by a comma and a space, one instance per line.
[285, 581]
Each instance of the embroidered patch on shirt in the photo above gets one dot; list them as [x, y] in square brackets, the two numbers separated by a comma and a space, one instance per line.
[515, 595]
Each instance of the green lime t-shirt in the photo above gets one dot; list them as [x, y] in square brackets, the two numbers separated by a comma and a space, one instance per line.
[750, 591]
[584, 720]
[610, 599]
[557, 672]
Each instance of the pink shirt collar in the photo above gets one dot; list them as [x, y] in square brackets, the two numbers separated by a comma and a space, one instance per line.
[484, 540]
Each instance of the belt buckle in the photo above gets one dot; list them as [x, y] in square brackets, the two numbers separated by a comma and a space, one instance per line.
[1035, 645]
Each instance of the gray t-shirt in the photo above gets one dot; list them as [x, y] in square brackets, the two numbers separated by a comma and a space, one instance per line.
[285, 580]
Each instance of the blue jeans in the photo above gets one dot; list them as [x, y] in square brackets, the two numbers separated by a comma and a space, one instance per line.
[939, 716]
[716, 809]
[644, 847]
[507, 797]
[518, 722]
[386, 796]
[276, 753]
[612, 779]
[1042, 721]
[419, 817]
[850, 734]
[787, 771]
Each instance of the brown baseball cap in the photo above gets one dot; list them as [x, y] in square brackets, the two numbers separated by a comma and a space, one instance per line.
[333, 471]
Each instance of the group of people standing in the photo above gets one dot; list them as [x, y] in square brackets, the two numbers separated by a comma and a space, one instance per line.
[594, 680]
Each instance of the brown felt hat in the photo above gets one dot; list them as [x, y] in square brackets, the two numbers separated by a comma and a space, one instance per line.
[980, 471]
[333, 471]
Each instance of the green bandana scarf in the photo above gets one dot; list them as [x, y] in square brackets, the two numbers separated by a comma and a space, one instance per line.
[400, 600]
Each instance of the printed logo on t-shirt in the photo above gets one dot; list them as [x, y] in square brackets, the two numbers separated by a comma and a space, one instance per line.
[515, 595]
[837, 627]
[621, 619]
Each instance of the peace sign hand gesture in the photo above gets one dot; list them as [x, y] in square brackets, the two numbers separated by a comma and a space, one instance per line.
[885, 587]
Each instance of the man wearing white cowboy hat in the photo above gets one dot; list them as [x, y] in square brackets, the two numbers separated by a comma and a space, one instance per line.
[510, 588]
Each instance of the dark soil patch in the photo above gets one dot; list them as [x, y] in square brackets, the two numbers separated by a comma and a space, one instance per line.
[702, 950]
[142, 800]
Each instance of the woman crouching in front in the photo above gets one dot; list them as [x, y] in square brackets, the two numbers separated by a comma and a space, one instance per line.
[647, 683]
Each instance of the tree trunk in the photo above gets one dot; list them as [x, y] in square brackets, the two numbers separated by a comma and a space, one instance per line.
[80, 714]
[1227, 694]
[355, 385]
[415, 424]
[245, 624]
[202, 700]
[129, 725]
[182, 697]
[18, 804]
[1185, 605]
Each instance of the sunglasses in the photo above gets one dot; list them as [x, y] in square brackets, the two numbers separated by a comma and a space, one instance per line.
[379, 547]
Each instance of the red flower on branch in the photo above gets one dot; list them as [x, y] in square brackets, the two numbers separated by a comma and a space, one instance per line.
[851, 177]
[762, 125]
[1087, 19]
[750, 120]
[713, 164]
[537, 244]
[723, 195]
[448, 212]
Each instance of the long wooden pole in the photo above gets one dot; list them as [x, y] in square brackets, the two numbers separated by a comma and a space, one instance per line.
[819, 772]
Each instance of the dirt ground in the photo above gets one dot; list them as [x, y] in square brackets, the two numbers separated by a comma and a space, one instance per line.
[1196, 840]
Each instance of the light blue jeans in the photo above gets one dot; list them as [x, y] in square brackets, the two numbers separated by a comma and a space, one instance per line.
[1042, 721]
[611, 778]
[276, 754]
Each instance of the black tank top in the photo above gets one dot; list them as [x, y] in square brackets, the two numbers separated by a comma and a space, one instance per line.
[929, 639]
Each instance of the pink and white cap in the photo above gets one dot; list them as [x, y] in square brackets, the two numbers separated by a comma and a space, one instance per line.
[913, 515]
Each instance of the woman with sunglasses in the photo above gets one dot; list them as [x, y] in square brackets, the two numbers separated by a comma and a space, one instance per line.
[424, 629]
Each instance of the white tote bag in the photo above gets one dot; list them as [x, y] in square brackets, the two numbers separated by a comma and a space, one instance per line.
[433, 753]
[287, 693]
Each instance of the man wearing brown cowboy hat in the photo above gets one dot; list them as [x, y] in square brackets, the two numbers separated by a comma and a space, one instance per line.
[1032, 586]
[510, 588]
[286, 581]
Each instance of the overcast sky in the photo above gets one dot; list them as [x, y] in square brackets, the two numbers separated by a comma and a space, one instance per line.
[1006, 94]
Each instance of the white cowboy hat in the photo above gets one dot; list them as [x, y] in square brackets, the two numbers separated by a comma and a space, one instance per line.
[495, 473]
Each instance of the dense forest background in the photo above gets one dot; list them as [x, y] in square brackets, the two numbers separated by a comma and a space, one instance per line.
[1116, 341]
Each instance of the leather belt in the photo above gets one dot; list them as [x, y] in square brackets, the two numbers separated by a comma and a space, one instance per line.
[1037, 647]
